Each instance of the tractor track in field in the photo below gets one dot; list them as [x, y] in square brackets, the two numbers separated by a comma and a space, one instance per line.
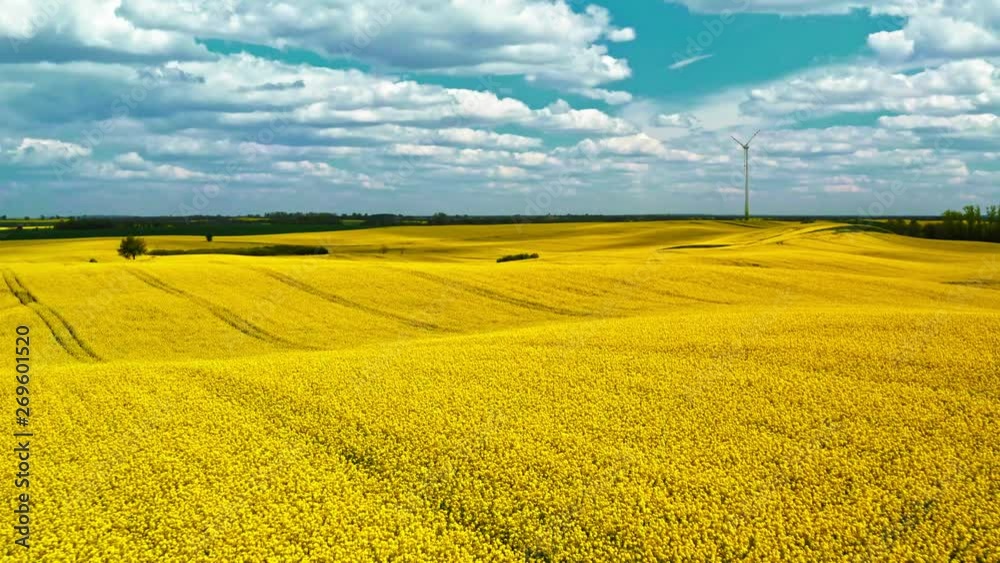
[63, 332]
[495, 296]
[336, 299]
[637, 286]
[355, 450]
[220, 312]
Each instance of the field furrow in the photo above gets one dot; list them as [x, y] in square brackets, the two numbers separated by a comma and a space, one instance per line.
[327, 296]
[222, 313]
[61, 330]
[494, 295]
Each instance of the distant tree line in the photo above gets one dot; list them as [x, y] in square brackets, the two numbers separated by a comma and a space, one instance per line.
[279, 220]
[276, 218]
[74, 224]
[444, 219]
[969, 224]
[300, 218]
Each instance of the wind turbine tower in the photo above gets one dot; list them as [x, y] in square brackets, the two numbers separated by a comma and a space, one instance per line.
[746, 175]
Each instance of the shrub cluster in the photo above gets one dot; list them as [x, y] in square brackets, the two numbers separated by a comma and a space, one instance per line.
[513, 257]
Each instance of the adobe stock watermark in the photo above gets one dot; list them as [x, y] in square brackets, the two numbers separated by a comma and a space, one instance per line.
[213, 6]
[542, 201]
[410, 162]
[121, 108]
[249, 150]
[48, 9]
[885, 199]
[373, 26]
[698, 43]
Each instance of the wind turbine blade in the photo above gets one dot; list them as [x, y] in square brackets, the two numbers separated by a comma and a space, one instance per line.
[754, 135]
[737, 142]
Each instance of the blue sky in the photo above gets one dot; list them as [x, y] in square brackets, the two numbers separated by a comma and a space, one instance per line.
[172, 107]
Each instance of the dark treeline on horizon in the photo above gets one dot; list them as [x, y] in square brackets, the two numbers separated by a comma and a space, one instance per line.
[969, 224]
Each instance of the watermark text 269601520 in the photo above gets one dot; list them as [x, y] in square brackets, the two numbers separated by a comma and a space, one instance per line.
[22, 453]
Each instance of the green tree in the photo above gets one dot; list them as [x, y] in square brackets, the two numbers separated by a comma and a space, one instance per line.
[951, 225]
[439, 219]
[973, 216]
[993, 223]
[131, 247]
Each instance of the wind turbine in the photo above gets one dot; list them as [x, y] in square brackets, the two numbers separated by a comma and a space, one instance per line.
[746, 174]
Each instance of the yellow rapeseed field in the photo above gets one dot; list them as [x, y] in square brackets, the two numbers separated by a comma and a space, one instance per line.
[710, 391]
